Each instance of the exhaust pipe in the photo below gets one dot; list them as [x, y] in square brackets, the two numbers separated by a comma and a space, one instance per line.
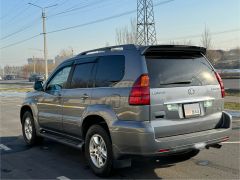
[217, 146]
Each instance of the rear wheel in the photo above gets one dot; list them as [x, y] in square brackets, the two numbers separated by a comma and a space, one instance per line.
[98, 151]
[29, 130]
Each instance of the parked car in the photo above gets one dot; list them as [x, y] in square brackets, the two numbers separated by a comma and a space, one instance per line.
[36, 77]
[1, 78]
[123, 101]
[9, 77]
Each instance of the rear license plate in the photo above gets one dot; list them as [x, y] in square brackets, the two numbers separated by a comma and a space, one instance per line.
[191, 110]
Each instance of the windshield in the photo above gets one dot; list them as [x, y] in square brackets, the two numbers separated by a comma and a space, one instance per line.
[180, 72]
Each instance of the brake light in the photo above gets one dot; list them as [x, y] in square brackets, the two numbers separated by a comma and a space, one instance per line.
[221, 84]
[225, 139]
[140, 92]
[163, 150]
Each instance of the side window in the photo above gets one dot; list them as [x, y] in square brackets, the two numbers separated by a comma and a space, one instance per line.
[82, 76]
[59, 81]
[110, 70]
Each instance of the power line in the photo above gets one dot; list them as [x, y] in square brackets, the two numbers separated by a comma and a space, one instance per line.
[105, 19]
[20, 13]
[75, 9]
[99, 6]
[19, 42]
[199, 35]
[29, 25]
[59, 4]
[85, 24]
[10, 10]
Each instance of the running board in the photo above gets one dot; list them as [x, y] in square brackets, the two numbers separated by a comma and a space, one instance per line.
[62, 138]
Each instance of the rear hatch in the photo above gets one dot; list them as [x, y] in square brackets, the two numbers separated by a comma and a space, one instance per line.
[185, 93]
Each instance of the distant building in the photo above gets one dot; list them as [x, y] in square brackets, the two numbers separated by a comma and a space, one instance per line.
[39, 61]
[14, 70]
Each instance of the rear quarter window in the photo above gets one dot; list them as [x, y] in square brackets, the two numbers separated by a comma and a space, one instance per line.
[180, 71]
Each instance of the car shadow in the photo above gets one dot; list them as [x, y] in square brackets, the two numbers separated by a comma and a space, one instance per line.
[50, 160]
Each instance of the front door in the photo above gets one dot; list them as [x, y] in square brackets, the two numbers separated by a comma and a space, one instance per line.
[50, 103]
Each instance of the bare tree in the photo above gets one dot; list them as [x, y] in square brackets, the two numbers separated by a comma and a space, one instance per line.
[206, 39]
[63, 55]
[184, 42]
[127, 35]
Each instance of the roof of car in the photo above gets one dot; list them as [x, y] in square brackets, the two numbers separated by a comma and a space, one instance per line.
[144, 50]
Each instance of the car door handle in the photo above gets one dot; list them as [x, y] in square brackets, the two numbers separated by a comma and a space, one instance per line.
[85, 96]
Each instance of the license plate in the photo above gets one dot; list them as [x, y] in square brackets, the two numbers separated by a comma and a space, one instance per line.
[192, 110]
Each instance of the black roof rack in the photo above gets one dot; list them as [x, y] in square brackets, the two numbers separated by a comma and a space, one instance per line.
[111, 48]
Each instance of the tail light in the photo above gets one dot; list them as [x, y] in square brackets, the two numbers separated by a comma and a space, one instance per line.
[163, 150]
[225, 139]
[140, 92]
[221, 84]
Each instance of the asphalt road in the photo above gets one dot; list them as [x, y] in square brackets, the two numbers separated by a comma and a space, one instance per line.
[51, 160]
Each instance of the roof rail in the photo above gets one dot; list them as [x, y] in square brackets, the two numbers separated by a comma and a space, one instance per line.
[110, 48]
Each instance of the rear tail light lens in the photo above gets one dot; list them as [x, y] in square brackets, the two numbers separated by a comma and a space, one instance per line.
[221, 84]
[225, 139]
[140, 92]
[163, 150]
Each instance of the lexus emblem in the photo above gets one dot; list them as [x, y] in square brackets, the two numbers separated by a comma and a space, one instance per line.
[191, 91]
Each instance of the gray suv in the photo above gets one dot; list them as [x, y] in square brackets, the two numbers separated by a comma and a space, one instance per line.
[124, 101]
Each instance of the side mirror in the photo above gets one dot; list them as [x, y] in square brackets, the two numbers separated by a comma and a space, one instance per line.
[38, 86]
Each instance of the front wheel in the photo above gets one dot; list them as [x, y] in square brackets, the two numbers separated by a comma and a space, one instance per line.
[98, 151]
[29, 130]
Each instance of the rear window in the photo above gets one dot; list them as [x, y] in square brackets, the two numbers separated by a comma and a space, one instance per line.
[179, 71]
[110, 70]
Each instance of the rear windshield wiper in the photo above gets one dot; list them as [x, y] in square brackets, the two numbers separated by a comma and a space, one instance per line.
[180, 82]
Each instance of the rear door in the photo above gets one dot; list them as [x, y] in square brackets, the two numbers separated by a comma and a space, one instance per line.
[185, 93]
[78, 96]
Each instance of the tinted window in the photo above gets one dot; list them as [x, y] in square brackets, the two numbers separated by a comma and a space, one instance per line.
[110, 70]
[82, 76]
[175, 72]
[59, 80]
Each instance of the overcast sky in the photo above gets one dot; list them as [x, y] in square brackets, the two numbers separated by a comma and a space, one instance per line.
[179, 20]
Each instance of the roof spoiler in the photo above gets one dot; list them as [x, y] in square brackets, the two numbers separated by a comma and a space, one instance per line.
[173, 49]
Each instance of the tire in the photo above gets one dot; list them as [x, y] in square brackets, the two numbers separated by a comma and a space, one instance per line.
[29, 130]
[101, 158]
[184, 155]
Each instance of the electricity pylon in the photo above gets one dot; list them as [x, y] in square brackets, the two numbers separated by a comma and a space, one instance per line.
[146, 32]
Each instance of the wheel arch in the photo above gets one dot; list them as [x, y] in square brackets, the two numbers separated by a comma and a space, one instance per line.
[93, 120]
[24, 109]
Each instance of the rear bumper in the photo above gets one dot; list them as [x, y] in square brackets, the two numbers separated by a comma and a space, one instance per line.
[138, 138]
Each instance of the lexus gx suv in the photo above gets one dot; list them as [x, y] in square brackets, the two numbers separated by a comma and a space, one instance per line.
[124, 101]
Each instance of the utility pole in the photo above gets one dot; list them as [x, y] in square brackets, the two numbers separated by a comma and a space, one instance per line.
[34, 66]
[44, 34]
[146, 32]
